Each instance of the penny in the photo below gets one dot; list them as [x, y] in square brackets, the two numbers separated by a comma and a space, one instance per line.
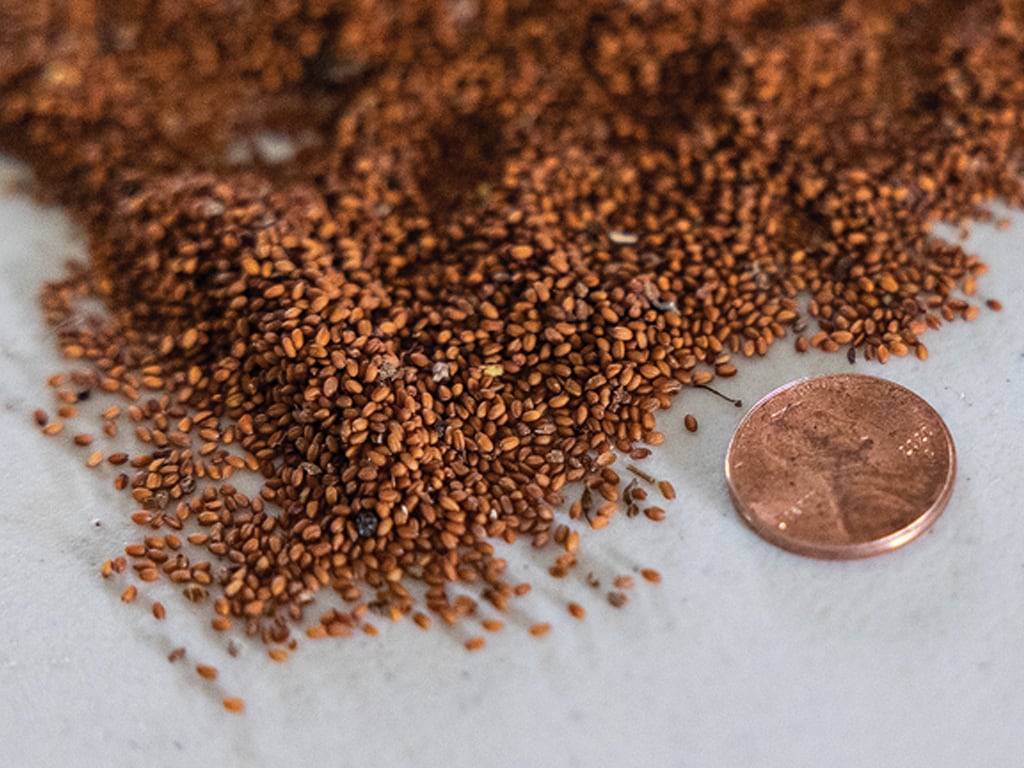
[841, 466]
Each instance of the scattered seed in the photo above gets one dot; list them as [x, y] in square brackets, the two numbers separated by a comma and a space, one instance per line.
[475, 643]
[420, 345]
[667, 489]
[618, 599]
[654, 513]
[690, 422]
[541, 629]
[206, 672]
[651, 575]
[577, 611]
[234, 704]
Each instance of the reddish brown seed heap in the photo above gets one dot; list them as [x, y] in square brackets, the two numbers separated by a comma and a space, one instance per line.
[422, 265]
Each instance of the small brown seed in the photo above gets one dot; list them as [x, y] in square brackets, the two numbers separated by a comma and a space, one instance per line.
[540, 629]
[234, 704]
[651, 575]
[667, 489]
[654, 513]
[206, 672]
[618, 599]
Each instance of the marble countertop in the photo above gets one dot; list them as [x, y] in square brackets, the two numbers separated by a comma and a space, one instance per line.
[743, 655]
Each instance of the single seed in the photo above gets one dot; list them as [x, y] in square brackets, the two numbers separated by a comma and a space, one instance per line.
[690, 422]
[667, 489]
[651, 575]
[576, 611]
[159, 612]
[618, 599]
[129, 594]
[475, 643]
[206, 672]
[234, 704]
[540, 629]
[657, 514]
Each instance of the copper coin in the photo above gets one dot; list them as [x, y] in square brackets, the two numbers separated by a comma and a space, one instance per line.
[840, 467]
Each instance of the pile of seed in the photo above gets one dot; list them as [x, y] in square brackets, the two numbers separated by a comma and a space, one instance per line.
[426, 265]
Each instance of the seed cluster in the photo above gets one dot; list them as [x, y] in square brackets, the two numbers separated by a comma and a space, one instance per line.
[424, 265]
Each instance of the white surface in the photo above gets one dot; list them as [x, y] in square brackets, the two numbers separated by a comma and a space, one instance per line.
[744, 655]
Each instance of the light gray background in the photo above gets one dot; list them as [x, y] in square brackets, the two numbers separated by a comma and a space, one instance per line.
[744, 655]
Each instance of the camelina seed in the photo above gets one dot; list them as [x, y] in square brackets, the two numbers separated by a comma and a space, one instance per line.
[667, 489]
[618, 599]
[234, 704]
[540, 629]
[423, 330]
[650, 574]
[206, 672]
